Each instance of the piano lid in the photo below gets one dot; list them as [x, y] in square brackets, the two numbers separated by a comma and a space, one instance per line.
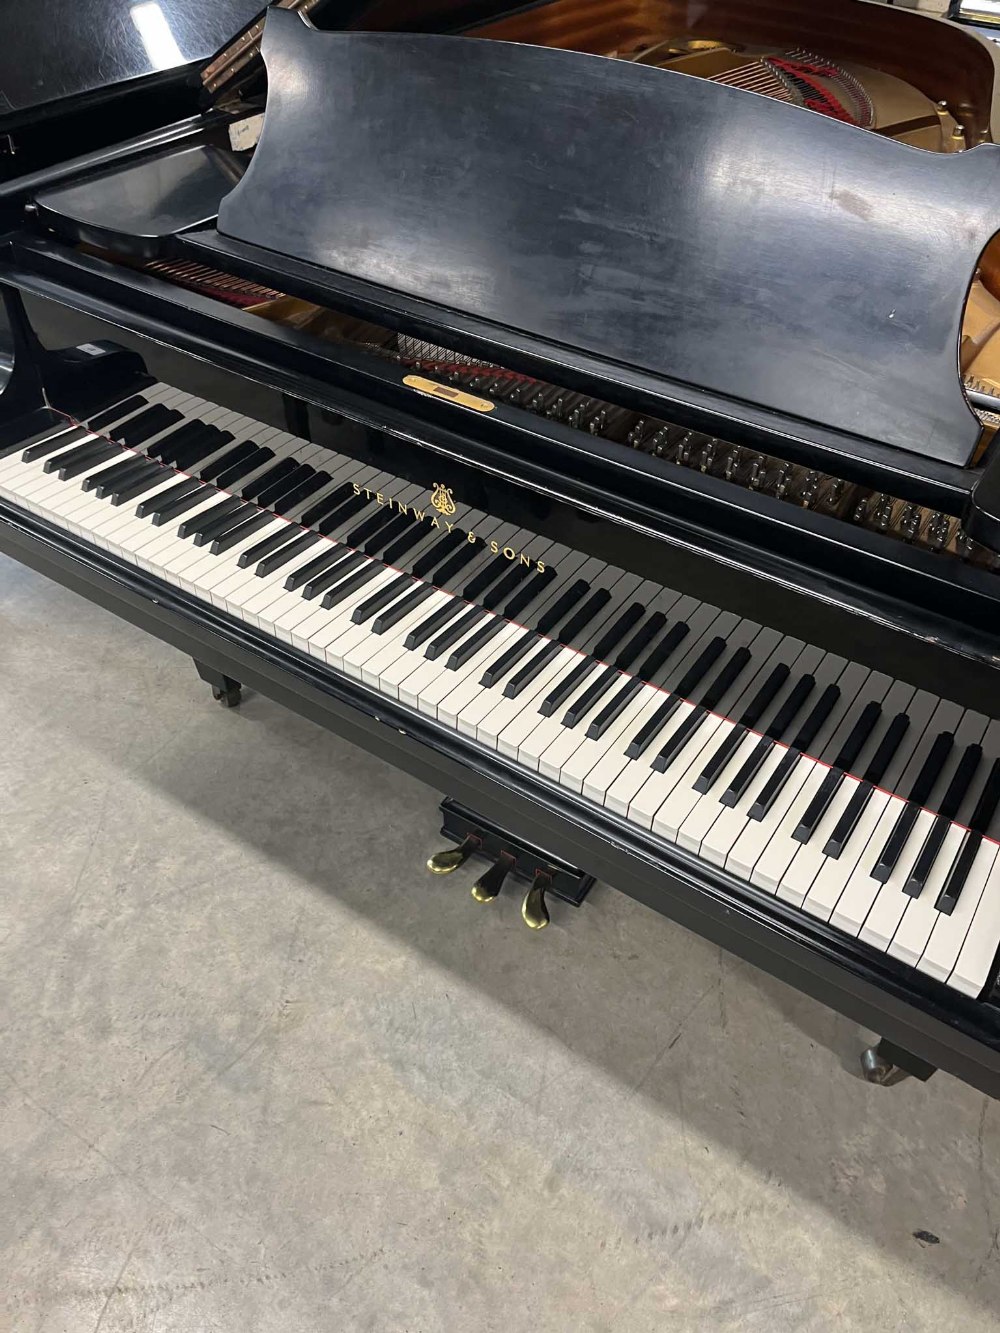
[70, 49]
[693, 232]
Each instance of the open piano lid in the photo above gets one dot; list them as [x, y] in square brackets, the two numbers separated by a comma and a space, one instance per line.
[710, 239]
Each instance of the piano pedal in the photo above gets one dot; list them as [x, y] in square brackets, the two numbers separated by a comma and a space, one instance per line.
[887, 1065]
[546, 875]
[488, 885]
[225, 690]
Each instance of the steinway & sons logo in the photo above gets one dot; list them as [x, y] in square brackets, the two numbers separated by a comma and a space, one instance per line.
[442, 502]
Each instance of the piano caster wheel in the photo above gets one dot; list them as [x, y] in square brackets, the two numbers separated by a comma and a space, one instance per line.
[225, 690]
[449, 860]
[877, 1069]
[887, 1065]
[533, 910]
[487, 886]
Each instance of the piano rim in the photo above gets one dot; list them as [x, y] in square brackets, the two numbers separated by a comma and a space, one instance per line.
[923, 1016]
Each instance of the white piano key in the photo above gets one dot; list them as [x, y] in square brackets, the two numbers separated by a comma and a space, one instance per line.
[948, 932]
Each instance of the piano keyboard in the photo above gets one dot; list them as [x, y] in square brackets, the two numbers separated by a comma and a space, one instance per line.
[849, 796]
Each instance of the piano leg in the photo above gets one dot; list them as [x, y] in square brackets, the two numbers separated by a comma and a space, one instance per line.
[887, 1065]
[227, 691]
[509, 855]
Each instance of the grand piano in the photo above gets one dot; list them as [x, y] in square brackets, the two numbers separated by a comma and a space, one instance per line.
[590, 408]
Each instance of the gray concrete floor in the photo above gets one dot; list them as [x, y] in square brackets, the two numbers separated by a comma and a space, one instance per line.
[260, 1072]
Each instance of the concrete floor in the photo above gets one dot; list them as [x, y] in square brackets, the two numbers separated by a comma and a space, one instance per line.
[260, 1072]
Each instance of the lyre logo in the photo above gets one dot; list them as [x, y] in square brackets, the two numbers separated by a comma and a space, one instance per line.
[442, 499]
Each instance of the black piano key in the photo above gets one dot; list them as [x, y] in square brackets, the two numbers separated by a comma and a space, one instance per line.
[871, 778]
[351, 561]
[294, 544]
[395, 613]
[613, 636]
[116, 412]
[936, 834]
[614, 708]
[455, 631]
[145, 482]
[680, 738]
[225, 507]
[751, 715]
[67, 471]
[136, 420]
[844, 761]
[342, 515]
[456, 562]
[437, 553]
[168, 445]
[918, 796]
[565, 687]
[159, 507]
[528, 591]
[726, 679]
[279, 470]
[130, 463]
[486, 576]
[523, 678]
[279, 490]
[399, 524]
[639, 641]
[394, 552]
[511, 655]
[580, 619]
[501, 592]
[106, 487]
[685, 687]
[982, 817]
[350, 584]
[371, 607]
[807, 733]
[328, 556]
[50, 445]
[435, 622]
[272, 542]
[366, 529]
[562, 606]
[779, 725]
[306, 487]
[327, 505]
[246, 527]
[239, 454]
[594, 692]
[190, 458]
[229, 478]
[222, 522]
[138, 429]
[651, 665]
[470, 646]
[80, 453]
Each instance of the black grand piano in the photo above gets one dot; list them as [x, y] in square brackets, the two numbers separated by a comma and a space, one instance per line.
[591, 408]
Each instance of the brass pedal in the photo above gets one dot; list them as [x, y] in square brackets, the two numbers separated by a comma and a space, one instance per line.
[447, 861]
[488, 885]
[533, 908]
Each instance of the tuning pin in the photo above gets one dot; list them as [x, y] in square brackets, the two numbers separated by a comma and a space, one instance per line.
[782, 481]
[707, 456]
[487, 886]
[684, 448]
[835, 493]
[810, 489]
[883, 513]
[756, 475]
[860, 511]
[533, 909]
[597, 423]
[637, 432]
[660, 443]
[449, 860]
[733, 459]
[909, 522]
[939, 530]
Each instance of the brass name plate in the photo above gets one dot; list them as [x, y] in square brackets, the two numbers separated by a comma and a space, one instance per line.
[450, 395]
